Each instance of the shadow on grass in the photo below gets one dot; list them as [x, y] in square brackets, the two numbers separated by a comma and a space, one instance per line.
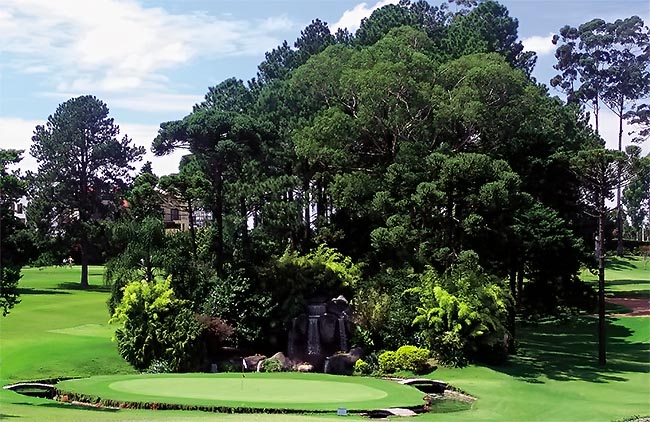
[624, 282]
[615, 308]
[92, 288]
[631, 294]
[617, 263]
[31, 291]
[5, 416]
[569, 351]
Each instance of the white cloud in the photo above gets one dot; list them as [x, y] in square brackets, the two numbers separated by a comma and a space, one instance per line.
[541, 44]
[16, 133]
[351, 18]
[121, 45]
[143, 135]
[157, 102]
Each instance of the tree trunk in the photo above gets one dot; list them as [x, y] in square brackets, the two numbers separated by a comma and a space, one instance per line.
[244, 228]
[512, 314]
[84, 260]
[602, 359]
[190, 216]
[307, 210]
[218, 219]
[520, 285]
[619, 176]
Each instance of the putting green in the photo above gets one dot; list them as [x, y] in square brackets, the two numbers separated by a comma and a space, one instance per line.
[292, 391]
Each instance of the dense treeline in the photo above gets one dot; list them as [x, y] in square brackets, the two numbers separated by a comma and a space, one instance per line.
[415, 167]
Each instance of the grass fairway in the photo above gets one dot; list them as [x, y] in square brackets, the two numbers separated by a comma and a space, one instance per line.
[291, 391]
[60, 331]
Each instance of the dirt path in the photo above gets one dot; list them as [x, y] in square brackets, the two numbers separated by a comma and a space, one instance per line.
[637, 306]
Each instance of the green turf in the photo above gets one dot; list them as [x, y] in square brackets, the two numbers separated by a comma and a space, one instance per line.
[295, 391]
[60, 331]
[625, 277]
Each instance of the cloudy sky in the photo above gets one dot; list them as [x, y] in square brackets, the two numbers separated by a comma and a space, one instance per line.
[151, 60]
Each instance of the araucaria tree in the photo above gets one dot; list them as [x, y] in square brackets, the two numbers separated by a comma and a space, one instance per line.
[83, 166]
[607, 63]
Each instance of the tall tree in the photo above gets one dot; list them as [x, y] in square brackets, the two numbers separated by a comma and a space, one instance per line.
[219, 141]
[11, 189]
[606, 63]
[598, 170]
[485, 29]
[190, 186]
[82, 166]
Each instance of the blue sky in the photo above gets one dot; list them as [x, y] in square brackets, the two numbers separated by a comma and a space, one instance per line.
[151, 60]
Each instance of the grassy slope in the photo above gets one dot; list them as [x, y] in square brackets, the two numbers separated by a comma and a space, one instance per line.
[59, 331]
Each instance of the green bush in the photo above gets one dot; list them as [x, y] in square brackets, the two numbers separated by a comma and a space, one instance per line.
[160, 366]
[271, 365]
[228, 366]
[406, 358]
[234, 299]
[387, 362]
[463, 312]
[412, 358]
[158, 326]
[361, 367]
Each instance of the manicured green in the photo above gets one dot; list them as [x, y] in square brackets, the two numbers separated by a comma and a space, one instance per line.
[628, 277]
[295, 391]
[61, 331]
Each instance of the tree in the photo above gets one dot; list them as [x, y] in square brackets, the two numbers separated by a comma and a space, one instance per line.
[221, 142]
[11, 255]
[82, 168]
[609, 62]
[488, 28]
[598, 170]
[636, 195]
[190, 186]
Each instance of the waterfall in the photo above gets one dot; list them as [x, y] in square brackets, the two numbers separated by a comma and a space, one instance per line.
[327, 365]
[244, 364]
[313, 337]
[343, 338]
[259, 365]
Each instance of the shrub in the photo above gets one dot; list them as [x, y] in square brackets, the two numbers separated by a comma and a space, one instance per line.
[217, 332]
[271, 365]
[235, 299]
[387, 362]
[464, 312]
[157, 326]
[412, 358]
[229, 366]
[159, 366]
[384, 307]
[361, 367]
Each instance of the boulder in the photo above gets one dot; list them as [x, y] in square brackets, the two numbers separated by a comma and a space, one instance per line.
[305, 367]
[284, 361]
[340, 364]
[250, 363]
[328, 327]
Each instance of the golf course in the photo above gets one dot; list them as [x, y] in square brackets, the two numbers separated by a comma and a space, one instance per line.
[61, 332]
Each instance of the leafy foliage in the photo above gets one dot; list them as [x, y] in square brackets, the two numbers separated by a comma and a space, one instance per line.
[406, 358]
[82, 168]
[12, 241]
[156, 326]
[464, 312]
